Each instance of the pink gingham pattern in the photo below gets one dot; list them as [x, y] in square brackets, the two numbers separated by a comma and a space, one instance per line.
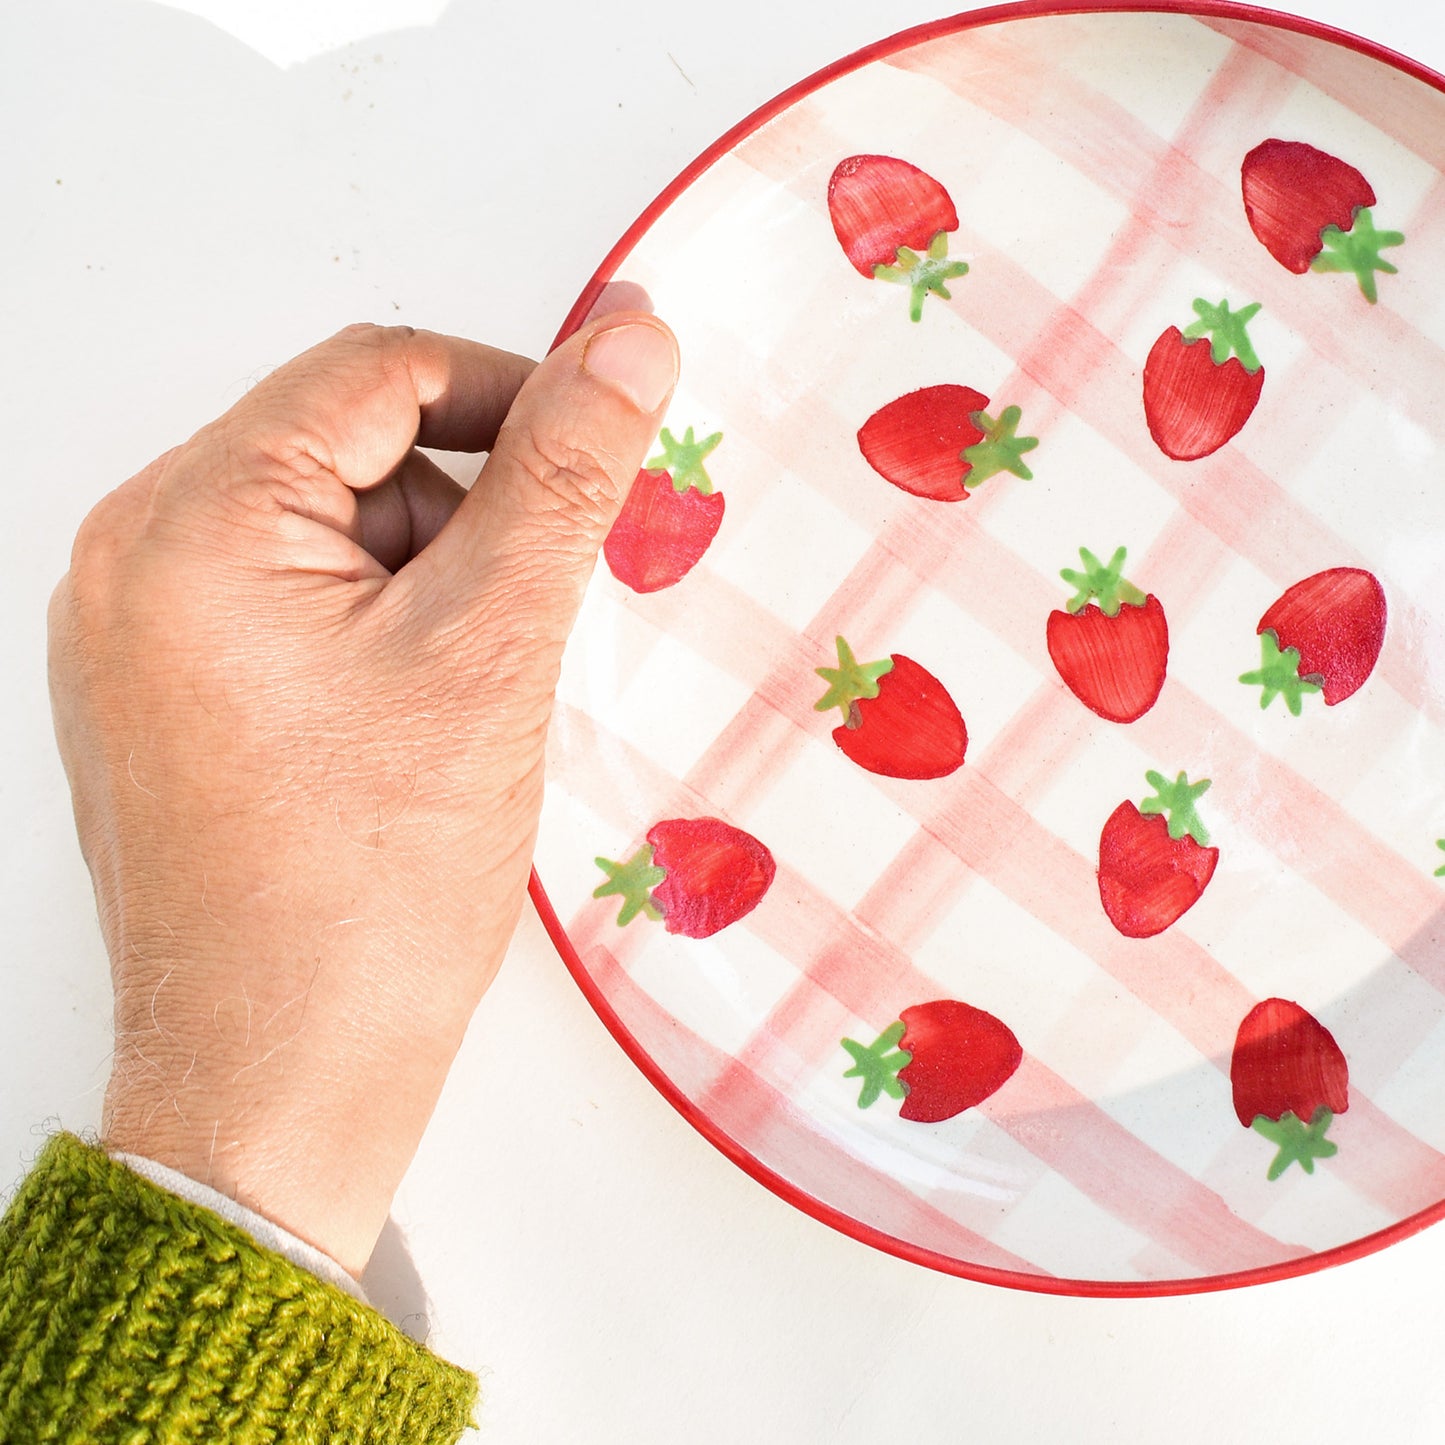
[1094, 161]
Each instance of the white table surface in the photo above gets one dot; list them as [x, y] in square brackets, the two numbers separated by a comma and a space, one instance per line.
[189, 201]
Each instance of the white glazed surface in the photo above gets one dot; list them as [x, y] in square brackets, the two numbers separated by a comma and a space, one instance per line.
[1097, 199]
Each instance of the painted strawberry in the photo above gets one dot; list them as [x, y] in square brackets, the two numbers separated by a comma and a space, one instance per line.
[892, 221]
[898, 719]
[1154, 860]
[1324, 635]
[1111, 643]
[1197, 395]
[669, 518]
[939, 1058]
[695, 874]
[1311, 212]
[1290, 1079]
[939, 441]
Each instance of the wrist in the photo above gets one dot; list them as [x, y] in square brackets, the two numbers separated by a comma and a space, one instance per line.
[303, 1105]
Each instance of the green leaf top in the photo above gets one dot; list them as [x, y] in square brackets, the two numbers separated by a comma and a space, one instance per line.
[1001, 448]
[1440, 871]
[1227, 332]
[683, 460]
[1102, 583]
[850, 681]
[1297, 1142]
[878, 1064]
[633, 882]
[1278, 675]
[1358, 252]
[1175, 802]
[922, 274]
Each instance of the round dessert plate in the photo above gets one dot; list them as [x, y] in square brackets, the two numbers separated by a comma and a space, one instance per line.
[997, 786]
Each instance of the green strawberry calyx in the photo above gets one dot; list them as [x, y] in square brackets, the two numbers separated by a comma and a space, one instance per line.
[1278, 674]
[1227, 332]
[631, 881]
[878, 1065]
[1358, 252]
[1297, 1142]
[1001, 449]
[850, 682]
[1174, 802]
[1440, 871]
[683, 460]
[931, 271]
[1103, 583]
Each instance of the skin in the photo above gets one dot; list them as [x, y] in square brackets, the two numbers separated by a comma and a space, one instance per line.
[301, 683]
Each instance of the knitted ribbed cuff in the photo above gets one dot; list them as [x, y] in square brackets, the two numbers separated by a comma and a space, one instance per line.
[266, 1232]
[129, 1315]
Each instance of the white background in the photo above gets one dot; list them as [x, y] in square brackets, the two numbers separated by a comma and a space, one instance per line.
[187, 202]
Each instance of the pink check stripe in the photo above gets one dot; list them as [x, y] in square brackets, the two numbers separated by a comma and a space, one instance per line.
[767, 1125]
[1390, 100]
[1182, 1216]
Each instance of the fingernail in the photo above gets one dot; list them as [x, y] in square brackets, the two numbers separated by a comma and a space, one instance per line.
[638, 359]
[619, 296]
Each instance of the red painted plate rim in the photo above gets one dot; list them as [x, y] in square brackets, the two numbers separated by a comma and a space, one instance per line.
[820, 1210]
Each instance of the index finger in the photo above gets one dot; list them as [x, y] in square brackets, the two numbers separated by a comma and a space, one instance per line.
[354, 405]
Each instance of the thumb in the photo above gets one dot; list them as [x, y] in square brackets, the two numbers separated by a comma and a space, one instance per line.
[519, 550]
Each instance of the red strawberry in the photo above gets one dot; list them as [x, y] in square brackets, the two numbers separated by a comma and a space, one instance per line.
[1154, 861]
[1111, 653]
[696, 874]
[892, 221]
[940, 1058]
[1324, 634]
[898, 719]
[1290, 1080]
[669, 518]
[1311, 211]
[1197, 396]
[939, 441]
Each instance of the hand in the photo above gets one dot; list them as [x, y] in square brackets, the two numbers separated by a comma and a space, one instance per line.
[301, 684]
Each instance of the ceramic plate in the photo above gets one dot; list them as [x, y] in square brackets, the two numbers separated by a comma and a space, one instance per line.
[998, 779]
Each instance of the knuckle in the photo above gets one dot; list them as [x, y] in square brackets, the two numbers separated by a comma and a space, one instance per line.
[59, 620]
[95, 539]
[286, 452]
[384, 349]
[579, 483]
[283, 431]
[272, 445]
[372, 333]
[105, 532]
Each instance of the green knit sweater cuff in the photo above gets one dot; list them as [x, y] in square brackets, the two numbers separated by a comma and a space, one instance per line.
[129, 1315]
